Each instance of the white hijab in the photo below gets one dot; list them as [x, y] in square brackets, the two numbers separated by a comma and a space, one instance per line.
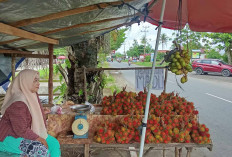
[20, 90]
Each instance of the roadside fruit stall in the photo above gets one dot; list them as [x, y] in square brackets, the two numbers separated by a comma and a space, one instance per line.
[173, 122]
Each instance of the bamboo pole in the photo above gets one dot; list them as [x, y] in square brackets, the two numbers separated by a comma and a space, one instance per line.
[50, 82]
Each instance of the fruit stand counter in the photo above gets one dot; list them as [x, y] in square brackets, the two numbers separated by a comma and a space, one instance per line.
[59, 126]
[91, 148]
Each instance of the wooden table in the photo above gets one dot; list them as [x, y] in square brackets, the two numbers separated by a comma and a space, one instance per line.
[90, 148]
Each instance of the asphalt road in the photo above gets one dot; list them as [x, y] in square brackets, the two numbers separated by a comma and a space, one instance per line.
[212, 96]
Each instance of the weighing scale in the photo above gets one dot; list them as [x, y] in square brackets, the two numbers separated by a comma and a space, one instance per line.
[80, 126]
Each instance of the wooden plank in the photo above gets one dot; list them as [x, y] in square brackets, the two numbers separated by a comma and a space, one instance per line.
[132, 68]
[70, 27]
[165, 79]
[7, 29]
[136, 145]
[176, 152]
[180, 152]
[164, 153]
[50, 81]
[33, 56]
[14, 51]
[66, 13]
[132, 152]
[113, 27]
[86, 150]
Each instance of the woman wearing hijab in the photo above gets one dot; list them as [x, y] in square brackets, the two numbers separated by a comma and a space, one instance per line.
[22, 127]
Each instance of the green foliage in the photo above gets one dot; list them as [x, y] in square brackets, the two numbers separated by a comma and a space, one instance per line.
[144, 40]
[117, 37]
[213, 54]
[160, 56]
[147, 58]
[188, 37]
[225, 58]
[60, 51]
[114, 88]
[223, 41]
[137, 49]
[118, 55]
[67, 63]
[149, 64]
[63, 89]
[81, 92]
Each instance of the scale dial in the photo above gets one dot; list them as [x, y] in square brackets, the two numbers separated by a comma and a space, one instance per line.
[80, 126]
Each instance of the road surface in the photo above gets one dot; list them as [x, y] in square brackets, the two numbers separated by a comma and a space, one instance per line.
[212, 96]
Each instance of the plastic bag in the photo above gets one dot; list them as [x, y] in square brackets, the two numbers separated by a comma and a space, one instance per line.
[56, 110]
[92, 109]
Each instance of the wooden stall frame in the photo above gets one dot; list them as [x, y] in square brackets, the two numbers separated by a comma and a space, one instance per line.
[86, 70]
[149, 147]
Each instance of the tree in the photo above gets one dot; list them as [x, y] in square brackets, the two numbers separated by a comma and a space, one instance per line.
[137, 49]
[117, 37]
[117, 54]
[223, 42]
[60, 51]
[164, 40]
[133, 51]
[189, 39]
[213, 54]
[84, 55]
[144, 42]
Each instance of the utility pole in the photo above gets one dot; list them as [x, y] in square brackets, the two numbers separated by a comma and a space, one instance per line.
[145, 31]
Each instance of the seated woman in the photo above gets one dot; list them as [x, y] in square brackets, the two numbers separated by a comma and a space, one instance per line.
[22, 127]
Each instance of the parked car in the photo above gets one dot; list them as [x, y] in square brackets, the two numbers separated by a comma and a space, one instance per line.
[203, 66]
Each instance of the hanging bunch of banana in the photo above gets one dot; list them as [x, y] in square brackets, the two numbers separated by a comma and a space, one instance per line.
[179, 62]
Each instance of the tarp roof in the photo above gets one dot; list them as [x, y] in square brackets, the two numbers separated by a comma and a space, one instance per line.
[69, 21]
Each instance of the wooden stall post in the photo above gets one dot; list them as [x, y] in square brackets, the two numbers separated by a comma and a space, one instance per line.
[164, 152]
[13, 66]
[85, 83]
[165, 79]
[180, 152]
[176, 152]
[50, 82]
[86, 150]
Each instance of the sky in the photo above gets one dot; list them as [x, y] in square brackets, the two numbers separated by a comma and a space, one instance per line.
[137, 32]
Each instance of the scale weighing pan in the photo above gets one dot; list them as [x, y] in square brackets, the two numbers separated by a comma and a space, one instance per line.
[80, 108]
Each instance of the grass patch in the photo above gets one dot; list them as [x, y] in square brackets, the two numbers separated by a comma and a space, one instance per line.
[114, 88]
[104, 64]
[110, 79]
[149, 64]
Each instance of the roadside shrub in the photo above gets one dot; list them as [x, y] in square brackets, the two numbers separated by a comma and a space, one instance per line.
[160, 56]
[147, 58]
